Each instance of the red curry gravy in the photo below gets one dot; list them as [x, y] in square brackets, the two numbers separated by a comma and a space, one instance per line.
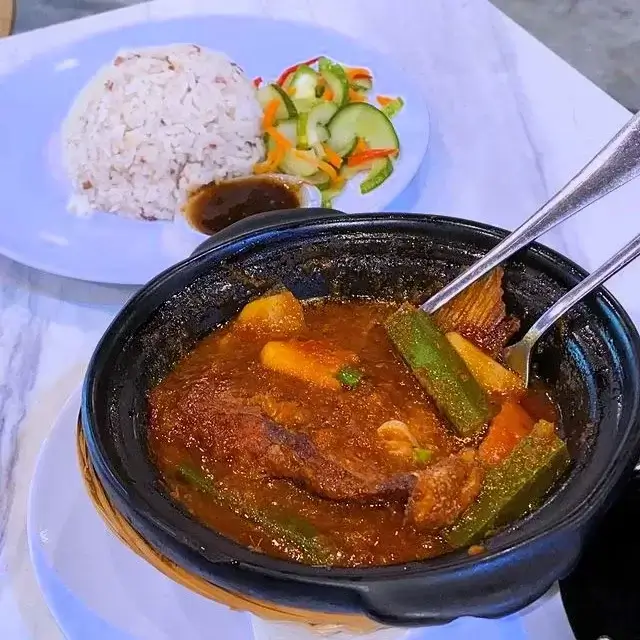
[225, 368]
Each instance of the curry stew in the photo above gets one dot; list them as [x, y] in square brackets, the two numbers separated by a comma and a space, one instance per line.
[356, 433]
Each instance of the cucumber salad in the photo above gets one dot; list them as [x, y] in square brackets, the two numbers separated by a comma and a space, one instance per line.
[320, 125]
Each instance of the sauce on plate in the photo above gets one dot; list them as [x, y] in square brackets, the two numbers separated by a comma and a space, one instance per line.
[217, 205]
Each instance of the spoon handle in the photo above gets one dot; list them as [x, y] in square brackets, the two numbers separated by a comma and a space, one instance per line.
[621, 259]
[617, 163]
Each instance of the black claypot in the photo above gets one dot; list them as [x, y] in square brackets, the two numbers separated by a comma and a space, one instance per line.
[590, 360]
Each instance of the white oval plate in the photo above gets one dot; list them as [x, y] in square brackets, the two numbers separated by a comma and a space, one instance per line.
[97, 588]
[35, 226]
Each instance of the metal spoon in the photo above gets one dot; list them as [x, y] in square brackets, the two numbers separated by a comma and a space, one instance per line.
[616, 164]
[518, 356]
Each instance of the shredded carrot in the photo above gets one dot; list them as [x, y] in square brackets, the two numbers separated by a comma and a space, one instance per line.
[383, 101]
[269, 116]
[279, 139]
[332, 156]
[372, 154]
[327, 94]
[355, 96]
[257, 82]
[290, 91]
[328, 169]
[272, 160]
[361, 147]
[358, 72]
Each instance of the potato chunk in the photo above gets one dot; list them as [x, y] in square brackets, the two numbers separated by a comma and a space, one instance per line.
[279, 314]
[313, 361]
[491, 375]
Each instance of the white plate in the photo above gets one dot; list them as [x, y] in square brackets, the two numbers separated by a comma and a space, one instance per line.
[36, 228]
[98, 589]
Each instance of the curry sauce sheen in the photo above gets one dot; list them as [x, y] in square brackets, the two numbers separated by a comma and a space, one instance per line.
[223, 426]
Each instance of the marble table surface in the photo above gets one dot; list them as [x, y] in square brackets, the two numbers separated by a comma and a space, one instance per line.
[511, 122]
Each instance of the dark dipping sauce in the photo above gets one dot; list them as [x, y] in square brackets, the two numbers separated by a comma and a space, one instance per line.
[217, 205]
[208, 414]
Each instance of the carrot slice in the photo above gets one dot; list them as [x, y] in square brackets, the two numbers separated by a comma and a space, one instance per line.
[360, 147]
[328, 169]
[327, 94]
[332, 156]
[507, 429]
[271, 162]
[269, 115]
[371, 154]
[383, 101]
[358, 72]
[267, 164]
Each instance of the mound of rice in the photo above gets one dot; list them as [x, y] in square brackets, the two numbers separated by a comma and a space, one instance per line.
[154, 125]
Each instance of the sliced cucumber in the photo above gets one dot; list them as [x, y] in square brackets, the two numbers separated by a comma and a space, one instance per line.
[286, 108]
[336, 78]
[315, 121]
[361, 120]
[393, 107]
[349, 150]
[304, 83]
[289, 129]
[322, 113]
[299, 163]
[303, 105]
[324, 64]
[320, 179]
[380, 170]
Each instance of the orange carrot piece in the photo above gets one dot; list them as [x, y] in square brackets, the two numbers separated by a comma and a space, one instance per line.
[332, 156]
[327, 94]
[269, 115]
[371, 154]
[383, 101]
[278, 138]
[358, 72]
[290, 91]
[361, 147]
[271, 162]
[510, 425]
[328, 169]
[267, 164]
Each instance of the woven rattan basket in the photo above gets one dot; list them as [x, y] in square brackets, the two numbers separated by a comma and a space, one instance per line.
[321, 623]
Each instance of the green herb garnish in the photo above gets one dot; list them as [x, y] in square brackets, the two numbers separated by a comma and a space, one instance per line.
[349, 377]
[422, 456]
